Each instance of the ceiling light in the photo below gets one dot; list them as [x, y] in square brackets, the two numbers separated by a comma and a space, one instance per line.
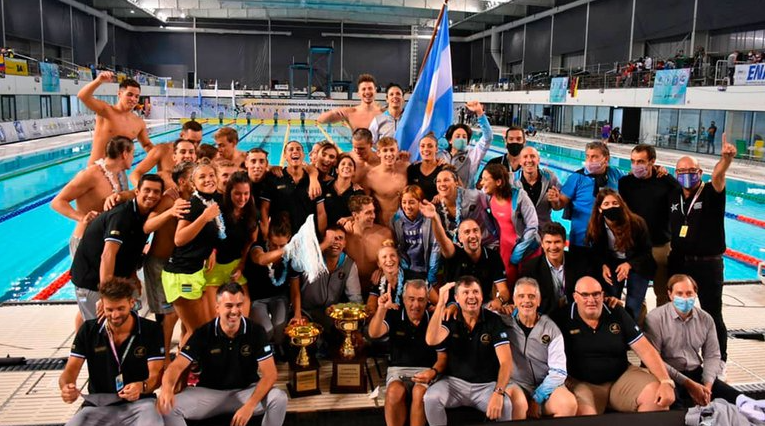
[183, 15]
[132, 11]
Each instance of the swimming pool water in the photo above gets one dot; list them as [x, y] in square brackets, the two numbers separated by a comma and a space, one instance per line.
[36, 237]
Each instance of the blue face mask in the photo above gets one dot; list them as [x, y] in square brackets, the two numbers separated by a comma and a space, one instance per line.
[688, 180]
[443, 144]
[684, 305]
[459, 144]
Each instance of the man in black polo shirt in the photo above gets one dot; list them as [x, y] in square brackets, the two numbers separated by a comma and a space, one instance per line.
[648, 195]
[596, 339]
[472, 259]
[230, 350]
[113, 243]
[697, 226]
[515, 140]
[413, 364]
[125, 354]
[478, 356]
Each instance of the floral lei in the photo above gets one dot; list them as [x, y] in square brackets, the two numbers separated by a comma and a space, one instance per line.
[218, 220]
[116, 185]
[458, 214]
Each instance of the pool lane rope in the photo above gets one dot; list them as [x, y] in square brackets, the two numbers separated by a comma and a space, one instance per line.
[53, 287]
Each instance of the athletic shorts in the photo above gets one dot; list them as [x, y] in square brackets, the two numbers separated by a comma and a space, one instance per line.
[155, 293]
[221, 274]
[404, 375]
[187, 286]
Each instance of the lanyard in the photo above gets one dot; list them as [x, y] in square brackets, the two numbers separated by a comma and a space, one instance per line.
[690, 206]
[114, 349]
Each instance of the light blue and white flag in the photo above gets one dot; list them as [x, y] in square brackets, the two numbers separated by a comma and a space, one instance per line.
[429, 109]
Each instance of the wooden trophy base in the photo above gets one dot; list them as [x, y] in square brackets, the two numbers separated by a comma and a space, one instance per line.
[349, 375]
[304, 381]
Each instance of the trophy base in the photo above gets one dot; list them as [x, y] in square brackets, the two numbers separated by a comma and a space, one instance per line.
[349, 376]
[304, 381]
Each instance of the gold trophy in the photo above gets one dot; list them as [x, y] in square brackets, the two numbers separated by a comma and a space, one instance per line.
[348, 370]
[304, 372]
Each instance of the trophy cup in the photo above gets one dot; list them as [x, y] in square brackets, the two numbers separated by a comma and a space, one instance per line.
[348, 369]
[304, 371]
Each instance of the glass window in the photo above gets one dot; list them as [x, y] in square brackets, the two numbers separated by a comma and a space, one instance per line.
[35, 110]
[738, 129]
[56, 106]
[649, 121]
[667, 130]
[590, 122]
[578, 120]
[758, 136]
[22, 107]
[688, 130]
[710, 139]
[567, 126]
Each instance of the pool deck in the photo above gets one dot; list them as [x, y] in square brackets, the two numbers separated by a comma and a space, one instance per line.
[32, 397]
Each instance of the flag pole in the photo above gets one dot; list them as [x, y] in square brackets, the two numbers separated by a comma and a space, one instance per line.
[432, 38]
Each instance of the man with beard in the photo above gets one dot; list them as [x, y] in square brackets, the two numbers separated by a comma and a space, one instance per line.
[361, 115]
[113, 243]
[230, 350]
[124, 355]
[470, 257]
[413, 364]
[479, 361]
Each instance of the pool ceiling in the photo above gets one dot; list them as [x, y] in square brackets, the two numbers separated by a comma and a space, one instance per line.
[467, 15]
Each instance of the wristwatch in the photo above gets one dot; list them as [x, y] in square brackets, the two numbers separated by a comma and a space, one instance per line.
[669, 382]
[499, 390]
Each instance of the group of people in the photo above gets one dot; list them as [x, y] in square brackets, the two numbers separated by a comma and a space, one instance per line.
[462, 270]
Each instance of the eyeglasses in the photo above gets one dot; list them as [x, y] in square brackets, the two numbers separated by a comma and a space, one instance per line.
[594, 295]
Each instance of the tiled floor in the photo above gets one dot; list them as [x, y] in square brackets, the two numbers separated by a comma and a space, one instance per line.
[40, 331]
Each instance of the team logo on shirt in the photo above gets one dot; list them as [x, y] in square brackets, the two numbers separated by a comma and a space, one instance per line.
[341, 275]
[674, 207]
[485, 338]
[546, 339]
[246, 350]
[96, 349]
[614, 328]
[139, 352]
[114, 232]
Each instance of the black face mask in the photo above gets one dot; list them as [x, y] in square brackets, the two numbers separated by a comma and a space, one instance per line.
[614, 214]
[514, 149]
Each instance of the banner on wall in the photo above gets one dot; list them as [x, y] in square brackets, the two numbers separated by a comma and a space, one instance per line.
[46, 127]
[749, 75]
[51, 81]
[256, 109]
[15, 66]
[670, 86]
[84, 74]
[558, 89]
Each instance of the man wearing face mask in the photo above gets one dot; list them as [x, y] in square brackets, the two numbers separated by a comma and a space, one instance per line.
[578, 194]
[515, 140]
[459, 153]
[648, 195]
[696, 222]
[696, 377]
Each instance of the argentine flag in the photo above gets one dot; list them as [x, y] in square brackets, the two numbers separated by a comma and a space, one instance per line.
[429, 109]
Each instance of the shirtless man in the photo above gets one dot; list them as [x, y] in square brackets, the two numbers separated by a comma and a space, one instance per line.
[364, 238]
[361, 115]
[163, 222]
[91, 188]
[363, 154]
[163, 155]
[386, 181]
[226, 138]
[114, 120]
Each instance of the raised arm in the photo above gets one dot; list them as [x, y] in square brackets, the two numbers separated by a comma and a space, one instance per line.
[447, 246]
[437, 332]
[334, 115]
[152, 159]
[86, 94]
[726, 158]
